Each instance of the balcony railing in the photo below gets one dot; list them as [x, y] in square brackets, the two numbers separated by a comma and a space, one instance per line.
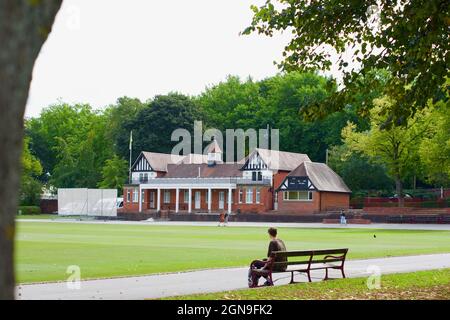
[203, 181]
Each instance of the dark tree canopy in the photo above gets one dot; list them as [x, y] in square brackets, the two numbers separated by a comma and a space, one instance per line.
[153, 125]
[408, 38]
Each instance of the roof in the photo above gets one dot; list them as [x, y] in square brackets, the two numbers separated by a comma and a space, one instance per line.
[159, 161]
[322, 177]
[280, 160]
[220, 170]
[193, 158]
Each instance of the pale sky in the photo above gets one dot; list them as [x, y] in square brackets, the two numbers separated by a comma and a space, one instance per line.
[104, 49]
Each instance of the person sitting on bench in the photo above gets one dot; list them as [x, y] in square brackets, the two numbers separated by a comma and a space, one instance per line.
[258, 267]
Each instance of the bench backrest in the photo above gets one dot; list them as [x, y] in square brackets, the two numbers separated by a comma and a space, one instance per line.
[310, 256]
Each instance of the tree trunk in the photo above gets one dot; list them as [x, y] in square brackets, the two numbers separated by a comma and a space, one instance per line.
[399, 191]
[24, 26]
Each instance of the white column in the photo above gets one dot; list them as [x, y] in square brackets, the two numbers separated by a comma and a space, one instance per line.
[229, 200]
[158, 199]
[139, 199]
[209, 199]
[190, 201]
[177, 199]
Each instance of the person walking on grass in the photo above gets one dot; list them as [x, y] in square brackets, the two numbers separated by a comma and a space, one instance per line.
[221, 219]
[258, 268]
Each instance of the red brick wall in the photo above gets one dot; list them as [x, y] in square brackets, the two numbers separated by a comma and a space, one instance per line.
[321, 201]
[335, 200]
[129, 206]
[404, 210]
[265, 203]
[301, 207]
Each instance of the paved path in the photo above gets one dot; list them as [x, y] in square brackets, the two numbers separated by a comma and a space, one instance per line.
[391, 226]
[163, 285]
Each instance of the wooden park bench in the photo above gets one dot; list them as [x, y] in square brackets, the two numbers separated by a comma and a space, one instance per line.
[305, 262]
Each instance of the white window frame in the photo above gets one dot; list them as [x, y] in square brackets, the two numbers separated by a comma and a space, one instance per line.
[166, 196]
[249, 195]
[135, 195]
[142, 195]
[128, 195]
[258, 195]
[286, 196]
[241, 196]
[186, 196]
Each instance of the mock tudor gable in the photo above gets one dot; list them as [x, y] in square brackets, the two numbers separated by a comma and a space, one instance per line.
[314, 176]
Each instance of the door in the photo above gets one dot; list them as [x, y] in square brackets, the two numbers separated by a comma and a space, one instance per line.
[152, 199]
[221, 199]
[197, 199]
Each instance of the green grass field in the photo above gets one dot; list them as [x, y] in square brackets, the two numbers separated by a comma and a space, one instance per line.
[428, 285]
[45, 250]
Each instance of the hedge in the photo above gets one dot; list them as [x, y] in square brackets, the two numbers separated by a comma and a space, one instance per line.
[28, 210]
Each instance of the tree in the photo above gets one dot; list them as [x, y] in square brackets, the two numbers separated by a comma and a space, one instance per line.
[277, 101]
[59, 121]
[408, 38]
[114, 174]
[24, 27]
[434, 150]
[117, 114]
[30, 187]
[358, 172]
[153, 125]
[81, 155]
[394, 147]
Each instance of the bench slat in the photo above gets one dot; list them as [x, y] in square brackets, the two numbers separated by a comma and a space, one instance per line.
[289, 263]
[309, 252]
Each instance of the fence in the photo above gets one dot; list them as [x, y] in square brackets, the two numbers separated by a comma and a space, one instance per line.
[87, 202]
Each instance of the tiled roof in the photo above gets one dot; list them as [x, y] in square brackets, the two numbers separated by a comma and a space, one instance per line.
[159, 161]
[321, 176]
[281, 160]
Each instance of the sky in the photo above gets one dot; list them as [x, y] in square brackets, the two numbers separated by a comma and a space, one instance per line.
[101, 50]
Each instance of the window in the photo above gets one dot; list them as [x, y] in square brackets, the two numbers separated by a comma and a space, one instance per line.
[128, 195]
[297, 195]
[143, 196]
[256, 176]
[258, 195]
[249, 195]
[135, 195]
[241, 194]
[186, 196]
[143, 177]
[166, 196]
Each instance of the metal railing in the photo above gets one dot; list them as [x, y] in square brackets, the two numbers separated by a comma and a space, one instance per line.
[203, 181]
